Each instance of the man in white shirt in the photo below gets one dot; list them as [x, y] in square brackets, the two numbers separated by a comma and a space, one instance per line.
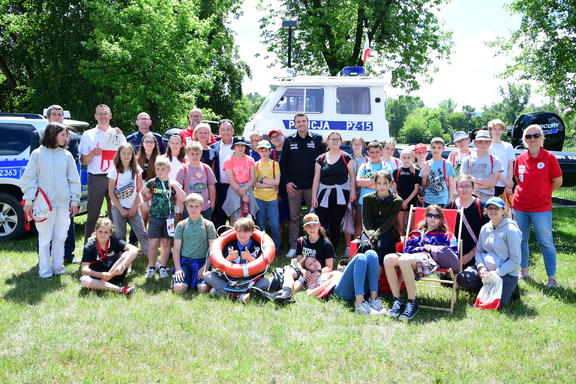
[91, 146]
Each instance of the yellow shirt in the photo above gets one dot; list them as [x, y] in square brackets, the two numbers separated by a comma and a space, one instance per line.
[264, 171]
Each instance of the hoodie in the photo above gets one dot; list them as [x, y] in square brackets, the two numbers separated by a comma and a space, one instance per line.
[500, 246]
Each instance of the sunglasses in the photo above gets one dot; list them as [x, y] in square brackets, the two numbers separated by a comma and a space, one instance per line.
[536, 136]
[433, 215]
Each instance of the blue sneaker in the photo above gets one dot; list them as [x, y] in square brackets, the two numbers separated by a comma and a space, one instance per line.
[397, 308]
[410, 311]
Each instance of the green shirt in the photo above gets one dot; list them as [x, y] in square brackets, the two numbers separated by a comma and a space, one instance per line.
[163, 198]
[195, 236]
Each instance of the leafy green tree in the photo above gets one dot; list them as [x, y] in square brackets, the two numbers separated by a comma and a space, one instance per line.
[406, 36]
[449, 105]
[544, 47]
[398, 109]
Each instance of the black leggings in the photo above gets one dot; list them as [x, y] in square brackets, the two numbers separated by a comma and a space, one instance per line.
[386, 244]
[331, 217]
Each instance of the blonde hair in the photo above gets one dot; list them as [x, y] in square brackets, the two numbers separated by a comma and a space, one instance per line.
[533, 126]
[411, 153]
[199, 127]
[494, 122]
[194, 146]
[162, 161]
[254, 133]
[194, 197]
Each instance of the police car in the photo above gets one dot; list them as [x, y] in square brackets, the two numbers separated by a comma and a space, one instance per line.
[16, 132]
[349, 103]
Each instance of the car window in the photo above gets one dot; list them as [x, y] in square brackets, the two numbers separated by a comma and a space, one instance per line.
[353, 101]
[309, 100]
[15, 138]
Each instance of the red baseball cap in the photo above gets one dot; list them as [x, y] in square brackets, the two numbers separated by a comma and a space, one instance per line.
[273, 131]
[420, 147]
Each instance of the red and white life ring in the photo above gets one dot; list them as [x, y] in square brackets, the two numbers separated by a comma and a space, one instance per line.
[242, 270]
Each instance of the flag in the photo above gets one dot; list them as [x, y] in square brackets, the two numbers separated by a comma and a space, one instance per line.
[366, 50]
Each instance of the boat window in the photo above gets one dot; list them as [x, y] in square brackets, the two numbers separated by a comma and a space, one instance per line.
[353, 101]
[309, 100]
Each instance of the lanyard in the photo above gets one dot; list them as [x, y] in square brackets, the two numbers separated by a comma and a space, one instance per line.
[103, 254]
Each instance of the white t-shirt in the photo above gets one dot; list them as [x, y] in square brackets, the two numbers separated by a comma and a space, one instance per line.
[505, 153]
[124, 179]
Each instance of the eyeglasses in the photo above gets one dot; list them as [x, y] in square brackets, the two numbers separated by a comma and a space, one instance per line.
[536, 136]
[274, 137]
[464, 186]
[433, 215]
[143, 119]
[335, 139]
[149, 142]
[195, 115]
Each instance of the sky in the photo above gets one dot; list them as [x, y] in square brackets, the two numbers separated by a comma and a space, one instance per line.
[469, 77]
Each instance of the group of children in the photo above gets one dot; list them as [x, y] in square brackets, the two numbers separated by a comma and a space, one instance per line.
[181, 178]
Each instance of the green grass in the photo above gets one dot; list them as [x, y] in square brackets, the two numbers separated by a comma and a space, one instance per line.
[54, 331]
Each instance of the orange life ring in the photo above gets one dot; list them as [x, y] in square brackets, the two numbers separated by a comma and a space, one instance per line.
[242, 270]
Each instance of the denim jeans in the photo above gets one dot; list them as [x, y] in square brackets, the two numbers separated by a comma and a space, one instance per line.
[360, 276]
[542, 222]
[268, 210]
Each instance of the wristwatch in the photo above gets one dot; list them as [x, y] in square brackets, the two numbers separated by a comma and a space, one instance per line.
[261, 179]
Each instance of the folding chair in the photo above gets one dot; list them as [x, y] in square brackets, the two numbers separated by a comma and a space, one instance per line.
[451, 217]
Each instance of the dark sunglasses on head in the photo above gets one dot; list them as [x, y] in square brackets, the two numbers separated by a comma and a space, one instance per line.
[536, 136]
[433, 215]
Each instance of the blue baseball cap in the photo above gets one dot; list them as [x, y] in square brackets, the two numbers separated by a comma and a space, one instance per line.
[495, 201]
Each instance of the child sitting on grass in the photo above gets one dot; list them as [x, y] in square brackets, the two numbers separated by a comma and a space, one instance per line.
[106, 260]
[165, 192]
[192, 240]
[240, 251]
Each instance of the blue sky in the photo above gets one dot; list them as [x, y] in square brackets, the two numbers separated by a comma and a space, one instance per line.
[469, 78]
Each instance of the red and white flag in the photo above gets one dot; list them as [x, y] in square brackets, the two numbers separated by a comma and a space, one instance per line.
[366, 50]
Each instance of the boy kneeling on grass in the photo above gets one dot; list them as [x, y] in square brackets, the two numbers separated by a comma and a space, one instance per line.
[192, 240]
[106, 260]
[240, 251]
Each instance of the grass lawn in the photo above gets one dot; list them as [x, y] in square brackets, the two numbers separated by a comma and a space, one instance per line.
[55, 331]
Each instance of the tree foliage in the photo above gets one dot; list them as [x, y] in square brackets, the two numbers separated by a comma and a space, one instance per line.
[158, 56]
[545, 47]
[398, 109]
[406, 36]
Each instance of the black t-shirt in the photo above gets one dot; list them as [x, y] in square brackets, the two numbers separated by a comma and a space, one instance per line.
[253, 247]
[208, 156]
[322, 249]
[476, 218]
[405, 183]
[111, 254]
[334, 174]
[298, 155]
[276, 155]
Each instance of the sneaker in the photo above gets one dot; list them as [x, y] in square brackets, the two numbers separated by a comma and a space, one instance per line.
[366, 309]
[150, 273]
[285, 297]
[376, 305]
[291, 253]
[347, 253]
[215, 292]
[552, 283]
[524, 274]
[128, 291]
[244, 298]
[260, 295]
[397, 308]
[410, 311]
[163, 272]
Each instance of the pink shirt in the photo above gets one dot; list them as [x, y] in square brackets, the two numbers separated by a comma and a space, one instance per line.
[240, 167]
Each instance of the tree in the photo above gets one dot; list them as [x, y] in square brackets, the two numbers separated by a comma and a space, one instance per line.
[449, 105]
[405, 35]
[544, 47]
[158, 56]
[398, 109]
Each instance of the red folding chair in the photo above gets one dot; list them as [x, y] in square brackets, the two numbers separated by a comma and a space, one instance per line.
[451, 218]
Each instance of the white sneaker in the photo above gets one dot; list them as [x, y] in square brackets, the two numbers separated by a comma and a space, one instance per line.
[163, 273]
[150, 273]
[291, 253]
